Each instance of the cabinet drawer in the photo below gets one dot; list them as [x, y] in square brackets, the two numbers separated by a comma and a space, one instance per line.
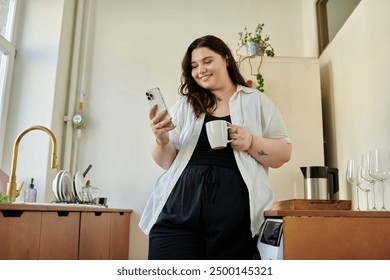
[59, 235]
[119, 240]
[19, 234]
[94, 236]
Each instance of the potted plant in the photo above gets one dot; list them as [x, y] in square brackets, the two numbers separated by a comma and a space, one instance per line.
[256, 44]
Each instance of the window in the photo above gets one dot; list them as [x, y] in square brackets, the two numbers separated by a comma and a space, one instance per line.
[7, 58]
[331, 16]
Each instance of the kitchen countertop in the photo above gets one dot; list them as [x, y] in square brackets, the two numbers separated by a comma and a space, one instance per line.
[319, 208]
[74, 207]
[327, 213]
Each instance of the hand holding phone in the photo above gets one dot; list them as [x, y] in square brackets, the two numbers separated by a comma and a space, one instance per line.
[154, 96]
[160, 126]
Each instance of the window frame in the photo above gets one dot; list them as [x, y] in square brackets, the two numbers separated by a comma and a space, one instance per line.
[323, 22]
[8, 55]
[322, 25]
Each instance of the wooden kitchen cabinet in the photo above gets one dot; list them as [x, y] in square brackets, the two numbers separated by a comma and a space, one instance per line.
[63, 232]
[334, 234]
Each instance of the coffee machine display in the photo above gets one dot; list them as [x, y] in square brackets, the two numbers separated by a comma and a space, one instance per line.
[321, 182]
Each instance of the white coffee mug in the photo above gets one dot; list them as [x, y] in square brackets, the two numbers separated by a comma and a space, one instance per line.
[217, 133]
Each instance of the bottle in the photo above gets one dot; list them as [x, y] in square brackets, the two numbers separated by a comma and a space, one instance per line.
[30, 194]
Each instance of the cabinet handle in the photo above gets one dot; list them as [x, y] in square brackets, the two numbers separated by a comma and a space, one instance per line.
[12, 213]
[62, 213]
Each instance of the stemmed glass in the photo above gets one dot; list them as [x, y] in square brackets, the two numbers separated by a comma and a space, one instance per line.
[365, 173]
[352, 177]
[363, 184]
[379, 169]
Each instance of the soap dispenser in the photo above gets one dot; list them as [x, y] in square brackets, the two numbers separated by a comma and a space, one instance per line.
[30, 194]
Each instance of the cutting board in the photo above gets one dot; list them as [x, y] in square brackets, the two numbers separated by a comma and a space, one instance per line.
[312, 204]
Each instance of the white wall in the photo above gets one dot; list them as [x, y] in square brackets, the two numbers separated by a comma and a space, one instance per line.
[135, 45]
[355, 73]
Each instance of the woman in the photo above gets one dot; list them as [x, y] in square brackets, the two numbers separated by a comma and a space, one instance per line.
[209, 204]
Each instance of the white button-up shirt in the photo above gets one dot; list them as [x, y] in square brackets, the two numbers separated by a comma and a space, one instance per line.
[249, 109]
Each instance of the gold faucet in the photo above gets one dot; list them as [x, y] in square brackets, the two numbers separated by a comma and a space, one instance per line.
[12, 191]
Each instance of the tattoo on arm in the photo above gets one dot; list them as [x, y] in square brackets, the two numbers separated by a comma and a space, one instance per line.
[262, 153]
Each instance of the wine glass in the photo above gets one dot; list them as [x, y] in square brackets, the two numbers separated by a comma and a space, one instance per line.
[363, 185]
[379, 169]
[352, 177]
[365, 174]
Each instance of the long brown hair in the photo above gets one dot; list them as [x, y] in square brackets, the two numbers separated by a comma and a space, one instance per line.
[200, 98]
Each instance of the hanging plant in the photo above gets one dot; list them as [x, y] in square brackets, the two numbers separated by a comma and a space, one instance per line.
[256, 44]
[256, 39]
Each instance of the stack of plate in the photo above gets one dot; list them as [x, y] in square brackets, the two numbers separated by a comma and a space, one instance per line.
[67, 190]
[78, 183]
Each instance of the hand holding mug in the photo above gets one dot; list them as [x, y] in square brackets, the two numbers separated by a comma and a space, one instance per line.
[241, 138]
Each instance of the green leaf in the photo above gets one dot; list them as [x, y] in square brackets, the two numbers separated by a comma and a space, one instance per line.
[4, 198]
[260, 82]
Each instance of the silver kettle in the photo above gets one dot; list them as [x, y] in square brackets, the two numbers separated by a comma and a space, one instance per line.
[321, 182]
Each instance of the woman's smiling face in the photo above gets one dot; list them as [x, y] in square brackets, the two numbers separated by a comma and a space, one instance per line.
[209, 69]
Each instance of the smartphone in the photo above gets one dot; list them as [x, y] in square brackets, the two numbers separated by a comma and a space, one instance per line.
[154, 96]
